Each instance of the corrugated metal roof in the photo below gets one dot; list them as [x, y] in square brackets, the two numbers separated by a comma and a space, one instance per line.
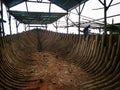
[36, 17]
[11, 3]
[65, 4]
[68, 4]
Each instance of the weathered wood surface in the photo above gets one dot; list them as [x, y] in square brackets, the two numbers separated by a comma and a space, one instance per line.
[98, 56]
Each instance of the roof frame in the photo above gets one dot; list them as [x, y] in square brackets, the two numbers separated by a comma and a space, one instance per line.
[11, 3]
[65, 4]
[36, 17]
[68, 4]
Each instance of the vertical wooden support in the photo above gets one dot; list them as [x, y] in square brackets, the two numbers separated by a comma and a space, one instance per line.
[26, 6]
[79, 11]
[79, 21]
[0, 28]
[67, 23]
[105, 16]
[28, 26]
[2, 33]
[50, 7]
[46, 26]
[10, 23]
[106, 7]
[56, 26]
[16, 26]
[0, 17]
[25, 27]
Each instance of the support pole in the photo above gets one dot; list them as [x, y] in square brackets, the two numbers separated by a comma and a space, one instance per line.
[26, 6]
[79, 11]
[56, 26]
[105, 13]
[28, 26]
[2, 33]
[50, 7]
[16, 27]
[67, 23]
[0, 18]
[79, 21]
[46, 26]
[105, 16]
[25, 26]
[10, 24]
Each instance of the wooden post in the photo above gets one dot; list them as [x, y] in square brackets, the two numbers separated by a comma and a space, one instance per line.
[67, 22]
[105, 13]
[2, 33]
[105, 16]
[10, 24]
[79, 21]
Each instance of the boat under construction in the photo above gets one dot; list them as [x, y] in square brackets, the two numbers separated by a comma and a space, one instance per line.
[40, 59]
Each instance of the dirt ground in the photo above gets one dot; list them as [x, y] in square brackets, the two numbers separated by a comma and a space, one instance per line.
[51, 72]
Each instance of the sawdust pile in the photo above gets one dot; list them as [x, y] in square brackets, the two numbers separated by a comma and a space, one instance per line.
[52, 73]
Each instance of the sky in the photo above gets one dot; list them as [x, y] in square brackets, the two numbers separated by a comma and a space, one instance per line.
[89, 11]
